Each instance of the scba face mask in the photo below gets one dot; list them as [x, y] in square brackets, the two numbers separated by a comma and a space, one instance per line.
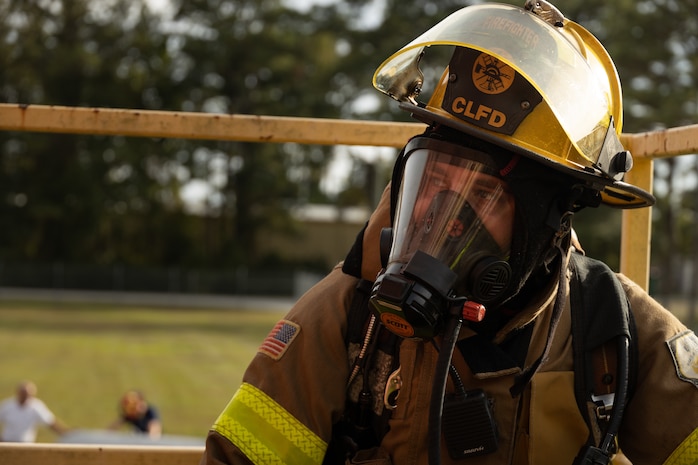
[450, 241]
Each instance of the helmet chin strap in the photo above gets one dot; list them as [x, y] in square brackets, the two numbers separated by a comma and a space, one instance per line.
[563, 236]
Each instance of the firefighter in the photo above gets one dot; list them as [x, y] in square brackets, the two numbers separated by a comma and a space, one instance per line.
[466, 326]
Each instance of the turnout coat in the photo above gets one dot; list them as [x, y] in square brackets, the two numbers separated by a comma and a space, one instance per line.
[295, 388]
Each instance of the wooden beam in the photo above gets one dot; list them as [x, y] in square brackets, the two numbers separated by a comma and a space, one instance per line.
[663, 143]
[189, 125]
[69, 454]
[275, 129]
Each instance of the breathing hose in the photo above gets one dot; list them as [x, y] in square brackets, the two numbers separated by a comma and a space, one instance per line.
[608, 441]
[443, 365]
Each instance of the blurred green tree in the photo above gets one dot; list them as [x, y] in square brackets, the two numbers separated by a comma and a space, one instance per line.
[68, 198]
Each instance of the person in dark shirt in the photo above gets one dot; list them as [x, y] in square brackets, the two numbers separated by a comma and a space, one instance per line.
[136, 411]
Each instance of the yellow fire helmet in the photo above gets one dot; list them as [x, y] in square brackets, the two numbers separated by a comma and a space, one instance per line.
[528, 80]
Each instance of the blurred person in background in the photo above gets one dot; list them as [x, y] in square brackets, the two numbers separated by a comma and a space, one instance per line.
[21, 415]
[138, 413]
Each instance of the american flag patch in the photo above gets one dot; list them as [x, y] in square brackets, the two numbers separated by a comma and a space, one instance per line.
[279, 339]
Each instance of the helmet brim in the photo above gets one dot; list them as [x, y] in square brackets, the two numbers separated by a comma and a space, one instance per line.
[617, 194]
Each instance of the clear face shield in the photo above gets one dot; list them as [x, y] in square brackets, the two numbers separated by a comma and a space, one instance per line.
[450, 239]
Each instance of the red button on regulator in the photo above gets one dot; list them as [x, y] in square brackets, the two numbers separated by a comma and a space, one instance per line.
[473, 311]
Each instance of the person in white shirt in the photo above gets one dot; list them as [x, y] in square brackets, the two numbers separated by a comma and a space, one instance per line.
[20, 416]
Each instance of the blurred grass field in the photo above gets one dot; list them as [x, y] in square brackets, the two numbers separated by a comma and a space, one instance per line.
[82, 357]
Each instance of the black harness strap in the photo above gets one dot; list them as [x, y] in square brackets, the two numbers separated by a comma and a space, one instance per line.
[604, 366]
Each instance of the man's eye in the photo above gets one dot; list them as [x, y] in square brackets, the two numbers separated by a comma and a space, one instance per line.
[485, 194]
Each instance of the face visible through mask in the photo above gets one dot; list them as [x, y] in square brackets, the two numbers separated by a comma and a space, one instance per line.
[452, 207]
[485, 194]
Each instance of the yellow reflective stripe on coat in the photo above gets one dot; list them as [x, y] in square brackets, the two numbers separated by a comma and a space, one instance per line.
[686, 453]
[265, 432]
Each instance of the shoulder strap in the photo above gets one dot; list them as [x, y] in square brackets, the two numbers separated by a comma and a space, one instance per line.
[603, 333]
[605, 306]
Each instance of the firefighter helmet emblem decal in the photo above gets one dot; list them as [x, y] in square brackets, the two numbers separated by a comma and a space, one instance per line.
[492, 76]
